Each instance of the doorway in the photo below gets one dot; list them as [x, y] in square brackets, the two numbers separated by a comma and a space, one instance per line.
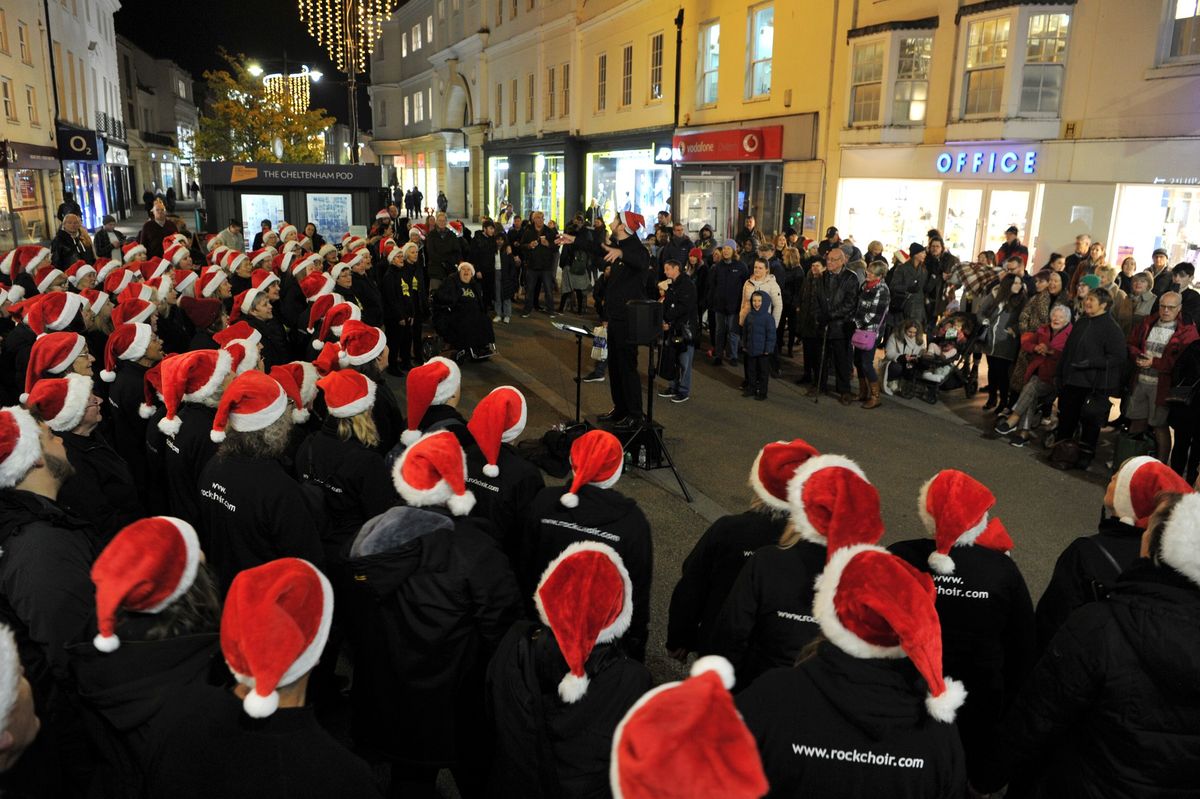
[976, 216]
[708, 200]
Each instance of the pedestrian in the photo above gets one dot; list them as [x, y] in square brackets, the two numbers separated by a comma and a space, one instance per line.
[907, 287]
[758, 340]
[504, 269]
[559, 688]
[107, 239]
[71, 243]
[902, 350]
[443, 204]
[169, 199]
[729, 277]
[441, 253]
[427, 560]
[762, 278]
[539, 248]
[268, 744]
[155, 229]
[590, 507]
[836, 300]
[1154, 347]
[1012, 247]
[1000, 311]
[872, 310]
[681, 326]
[67, 207]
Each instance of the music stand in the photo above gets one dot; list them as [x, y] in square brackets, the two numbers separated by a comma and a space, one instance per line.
[579, 333]
[648, 429]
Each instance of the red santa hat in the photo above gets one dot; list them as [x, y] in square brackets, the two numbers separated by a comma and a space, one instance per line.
[631, 222]
[328, 360]
[434, 382]
[105, 267]
[262, 256]
[499, 418]
[253, 401]
[316, 285]
[361, 343]
[456, 226]
[301, 262]
[194, 376]
[422, 230]
[146, 567]
[1179, 545]
[53, 311]
[132, 250]
[347, 393]
[44, 275]
[132, 312]
[52, 353]
[774, 466]
[79, 270]
[153, 267]
[687, 739]
[216, 251]
[335, 319]
[596, 459]
[244, 355]
[60, 401]
[261, 279]
[209, 282]
[287, 232]
[238, 331]
[25, 258]
[433, 471]
[127, 342]
[306, 244]
[291, 247]
[152, 389]
[162, 287]
[243, 302]
[175, 254]
[871, 604]
[352, 243]
[954, 508]
[299, 379]
[233, 261]
[833, 504]
[135, 291]
[585, 597]
[184, 280]
[94, 298]
[336, 270]
[326, 249]
[1139, 481]
[20, 445]
[352, 258]
[274, 627]
[382, 214]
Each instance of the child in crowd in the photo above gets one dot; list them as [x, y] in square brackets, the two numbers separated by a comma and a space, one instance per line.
[758, 338]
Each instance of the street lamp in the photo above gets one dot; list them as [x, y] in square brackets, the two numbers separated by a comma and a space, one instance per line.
[255, 70]
[348, 29]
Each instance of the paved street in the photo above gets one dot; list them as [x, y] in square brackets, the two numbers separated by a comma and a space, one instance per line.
[715, 436]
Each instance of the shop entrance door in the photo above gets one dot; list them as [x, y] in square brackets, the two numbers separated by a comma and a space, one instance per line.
[708, 200]
[976, 217]
[960, 226]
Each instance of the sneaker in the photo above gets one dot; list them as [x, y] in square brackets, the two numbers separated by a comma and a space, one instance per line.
[666, 393]
[1018, 441]
[716, 362]
[680, 398]
[593, 378]
[526, 315]
[496, 318]
[1004, 428]
[508, 320]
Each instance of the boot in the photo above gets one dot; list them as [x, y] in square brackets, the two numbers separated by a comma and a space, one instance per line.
[862, 391]
[873, 402]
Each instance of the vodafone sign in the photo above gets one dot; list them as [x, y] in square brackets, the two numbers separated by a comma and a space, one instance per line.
[739, 144]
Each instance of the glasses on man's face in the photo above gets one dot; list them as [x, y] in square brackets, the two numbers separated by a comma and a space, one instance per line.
[1168, 307]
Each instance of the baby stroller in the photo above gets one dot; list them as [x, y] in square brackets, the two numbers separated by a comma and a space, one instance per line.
[946, 364]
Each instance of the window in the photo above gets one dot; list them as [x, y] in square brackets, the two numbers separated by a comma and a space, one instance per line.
[529, 5]
[987, 50]
[760, 44]
[656, 66]
[1185, 30]
[416, 38]
[1045, 56]
[512, 102]
[10, 102]
[912, 80]
[512, 13]
[441, 9]
[31, 104]
[3, 32]
[710, 63]
[23, 42]
[566, 89]
[181, 87]
[499, 104]
[455, 5]
[406, 110]
[627, 76]
[529, 94]
[866, 82]
[429, 28]
[403, 45]
[419, 107]
[602, 81]
[499, 13]
[429, 103]
[550, 93]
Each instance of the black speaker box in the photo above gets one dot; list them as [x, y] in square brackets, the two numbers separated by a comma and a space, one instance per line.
[645, 321]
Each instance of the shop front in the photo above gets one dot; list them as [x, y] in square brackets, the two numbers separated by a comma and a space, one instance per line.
[628, 173]
[528, 176]
[28, 199]
[418, 168]
[116, 165]
[84, 172]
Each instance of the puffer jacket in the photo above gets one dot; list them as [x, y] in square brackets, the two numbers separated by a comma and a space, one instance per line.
[1113, 707]
[726, 287]
[770, 286]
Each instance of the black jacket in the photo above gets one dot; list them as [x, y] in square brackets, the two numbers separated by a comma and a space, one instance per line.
[102, 487]
[441, 253]
[538, 257]
[14, 359]
[680, 308]
[103, 245]
[184, 458]
[767, 618]
[1112, 708]
[125, 397]
[1085, 572]
[370, 300]
[66, 249]
[546, 748]
[837, 299]
[275, 350]
[709, 572]
[626, 282]
[402, 293]
[604, 515]
[46, 593]
[987, 635]
[251, 512]
[504, 500]
[123, 691]
[837, 726]
[293, 306]
[353, 479]
[431, 596]
[206, 746]
[388, 416]
[1095, 354]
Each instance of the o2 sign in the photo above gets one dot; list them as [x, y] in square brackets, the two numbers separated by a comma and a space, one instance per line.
[985, 162]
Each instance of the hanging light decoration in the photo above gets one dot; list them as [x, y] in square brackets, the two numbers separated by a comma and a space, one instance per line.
[289, 91]
[347, 29]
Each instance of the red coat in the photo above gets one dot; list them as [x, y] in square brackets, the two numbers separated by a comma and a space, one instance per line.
[1184, 335]
[1044, 366]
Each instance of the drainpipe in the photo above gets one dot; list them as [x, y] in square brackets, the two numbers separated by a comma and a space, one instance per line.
[678, 64]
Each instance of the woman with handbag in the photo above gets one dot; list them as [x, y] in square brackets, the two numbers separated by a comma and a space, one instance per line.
[873, 302]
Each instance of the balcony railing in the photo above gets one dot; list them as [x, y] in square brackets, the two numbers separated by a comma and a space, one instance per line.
[161, 139]
[110, 126]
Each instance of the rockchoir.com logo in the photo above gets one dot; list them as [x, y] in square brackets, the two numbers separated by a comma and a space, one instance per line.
[855, 756]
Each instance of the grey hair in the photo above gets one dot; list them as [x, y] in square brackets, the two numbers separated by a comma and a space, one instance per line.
[266, 444]
[1064, 308]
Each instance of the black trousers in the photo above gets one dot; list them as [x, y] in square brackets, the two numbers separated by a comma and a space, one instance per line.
[623, 380]
[837, 354]
[758, 374]
[1070, 416]
[534, 282]
[999, 380]
[812, 359]
[1185, 455]
[406, 352]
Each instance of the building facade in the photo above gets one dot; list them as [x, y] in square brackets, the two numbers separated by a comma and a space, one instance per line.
[1060, 118]
[90, 124]
[32, 180]
[161, 120]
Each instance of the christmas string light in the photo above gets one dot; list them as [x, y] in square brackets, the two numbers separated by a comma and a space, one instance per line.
[347, 29]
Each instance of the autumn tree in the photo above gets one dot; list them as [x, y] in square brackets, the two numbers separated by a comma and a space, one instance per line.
[241, 123]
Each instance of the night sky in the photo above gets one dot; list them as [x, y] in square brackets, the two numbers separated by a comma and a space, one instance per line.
[190, 34]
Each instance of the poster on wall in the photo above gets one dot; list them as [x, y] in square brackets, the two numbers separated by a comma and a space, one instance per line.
[257, 207]
[331, 213]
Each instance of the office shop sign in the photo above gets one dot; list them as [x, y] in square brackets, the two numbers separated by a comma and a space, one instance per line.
[305, 176]
[987, 162]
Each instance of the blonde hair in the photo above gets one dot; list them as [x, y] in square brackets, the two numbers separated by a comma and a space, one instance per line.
[791, 536]
[791, 256]
[360, 427]
[1106, 273]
